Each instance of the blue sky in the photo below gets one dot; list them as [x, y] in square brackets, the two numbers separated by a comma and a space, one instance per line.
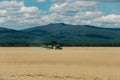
[20, 14]
[43, 5]
[110, 7]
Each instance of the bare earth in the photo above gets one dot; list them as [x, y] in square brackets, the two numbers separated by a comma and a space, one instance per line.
[71, 63]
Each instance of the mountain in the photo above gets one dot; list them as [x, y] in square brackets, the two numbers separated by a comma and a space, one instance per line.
[10, 37]
[76, 35]
[67, 35]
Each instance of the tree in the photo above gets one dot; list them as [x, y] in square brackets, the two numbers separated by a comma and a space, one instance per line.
[54, 43]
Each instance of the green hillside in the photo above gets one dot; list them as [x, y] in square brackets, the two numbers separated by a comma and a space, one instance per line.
[9, 37]
[68, 35]
[77, 35]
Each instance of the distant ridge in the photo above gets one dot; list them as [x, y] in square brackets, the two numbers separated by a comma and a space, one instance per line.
[101, 27]
[66, 34]
[66, 25]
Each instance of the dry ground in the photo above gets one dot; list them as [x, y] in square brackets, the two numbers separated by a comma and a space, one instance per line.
[71, 63]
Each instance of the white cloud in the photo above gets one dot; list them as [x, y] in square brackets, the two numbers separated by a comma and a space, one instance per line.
[82, 12]
[28, 9]
[76, 6]
[112, 18]
[62, 1]
[3, 12]
[13, 14]
[74, 12]
[41, 0]
[108, 21]
[77, 12]
[2, 20]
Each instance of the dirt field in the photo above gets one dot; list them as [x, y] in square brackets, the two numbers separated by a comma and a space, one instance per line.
[73, 63]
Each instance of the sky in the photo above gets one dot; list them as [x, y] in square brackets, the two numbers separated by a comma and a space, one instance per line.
[21, 14]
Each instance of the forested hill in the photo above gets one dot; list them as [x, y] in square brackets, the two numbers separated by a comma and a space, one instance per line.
[68, 35]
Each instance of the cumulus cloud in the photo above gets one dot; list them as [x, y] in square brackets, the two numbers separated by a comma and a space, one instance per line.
[112, 18]
[41, 0]
[77, 12]
[72, 7]
[74, 12]
[62, 1]
[3, 12]
[108, 21]
[13, 13]
[82, 12]
[105, 0]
